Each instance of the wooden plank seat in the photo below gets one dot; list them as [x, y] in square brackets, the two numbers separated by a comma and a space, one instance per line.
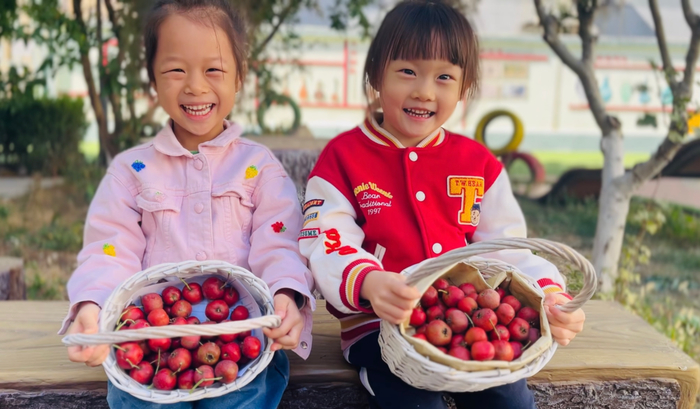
[619, 361]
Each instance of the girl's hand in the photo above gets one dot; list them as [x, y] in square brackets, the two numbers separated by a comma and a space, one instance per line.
[286, 336]
[564, 325]
[391, 298]
[86, 323]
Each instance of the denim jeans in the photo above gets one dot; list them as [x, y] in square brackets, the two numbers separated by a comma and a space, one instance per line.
[264, 392]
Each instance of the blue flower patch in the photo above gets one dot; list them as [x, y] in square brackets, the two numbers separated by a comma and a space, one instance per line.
[138, 165]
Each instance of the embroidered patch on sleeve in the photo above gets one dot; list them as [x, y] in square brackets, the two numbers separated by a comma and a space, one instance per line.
[251, 172]
[312, 203]
[279, 227]
[310, 217]
[333, 244]
[138, 165]
[309, 233]
[109, 250]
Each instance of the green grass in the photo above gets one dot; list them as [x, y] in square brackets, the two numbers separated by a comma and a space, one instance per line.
[556, 163]
[90, 149]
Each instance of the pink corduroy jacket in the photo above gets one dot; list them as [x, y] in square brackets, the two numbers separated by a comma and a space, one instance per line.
[159, 203]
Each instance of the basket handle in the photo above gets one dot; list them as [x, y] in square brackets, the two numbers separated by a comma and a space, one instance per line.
[590, 280]
[172, 331]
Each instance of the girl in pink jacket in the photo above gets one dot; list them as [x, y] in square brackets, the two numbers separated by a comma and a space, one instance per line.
[197, 191]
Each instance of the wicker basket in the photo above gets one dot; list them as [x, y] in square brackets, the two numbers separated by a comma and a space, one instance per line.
[254, 294]
[423, 366]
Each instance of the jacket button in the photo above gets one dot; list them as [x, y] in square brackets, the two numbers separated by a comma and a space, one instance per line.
[304, 345]
[198, 208]
[198, 164]
[437, 248]
[201, 256]
[420, 196]
[413, 156]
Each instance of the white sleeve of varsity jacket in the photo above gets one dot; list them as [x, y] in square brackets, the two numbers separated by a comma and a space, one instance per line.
[332, 242]
[501, 217]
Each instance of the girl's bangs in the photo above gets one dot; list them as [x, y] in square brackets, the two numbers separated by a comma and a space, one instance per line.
[429, 40]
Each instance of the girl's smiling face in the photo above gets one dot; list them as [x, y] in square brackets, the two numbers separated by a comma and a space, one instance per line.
[418, 96]
[195, 78]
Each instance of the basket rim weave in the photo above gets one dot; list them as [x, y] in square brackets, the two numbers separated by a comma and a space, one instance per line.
[419, 371]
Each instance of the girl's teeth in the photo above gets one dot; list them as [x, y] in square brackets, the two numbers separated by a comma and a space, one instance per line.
[198, 110]
[419, 113]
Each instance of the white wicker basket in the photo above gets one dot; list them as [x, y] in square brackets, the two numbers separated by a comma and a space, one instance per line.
[400, 350]
[254, 294]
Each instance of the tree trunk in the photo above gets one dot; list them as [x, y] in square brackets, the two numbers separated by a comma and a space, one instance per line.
[12, 284]
[612, 213]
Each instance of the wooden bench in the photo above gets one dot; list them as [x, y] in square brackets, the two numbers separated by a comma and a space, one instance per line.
[619, 361]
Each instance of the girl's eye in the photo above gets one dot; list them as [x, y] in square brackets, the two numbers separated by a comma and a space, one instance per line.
[177, 70]
[407, 71]
[213, 70]
[445, 77]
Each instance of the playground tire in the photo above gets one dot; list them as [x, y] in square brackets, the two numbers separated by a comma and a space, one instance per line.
[516, 138]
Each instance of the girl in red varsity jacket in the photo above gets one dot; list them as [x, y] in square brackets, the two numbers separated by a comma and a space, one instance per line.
[399, 189]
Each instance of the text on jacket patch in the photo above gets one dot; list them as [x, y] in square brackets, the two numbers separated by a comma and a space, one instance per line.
[372, 198]
[470, 189]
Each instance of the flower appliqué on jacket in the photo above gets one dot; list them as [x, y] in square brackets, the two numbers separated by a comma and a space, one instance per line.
[138, 165]
[251, 172]
[279, 227]
[109, 250]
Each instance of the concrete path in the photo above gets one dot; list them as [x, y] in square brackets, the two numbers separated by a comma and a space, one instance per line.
[13, 187]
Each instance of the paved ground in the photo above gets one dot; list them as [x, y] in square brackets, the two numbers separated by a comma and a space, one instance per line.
[12, 187]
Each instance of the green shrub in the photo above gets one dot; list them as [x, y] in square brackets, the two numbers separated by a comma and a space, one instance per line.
[41, 135]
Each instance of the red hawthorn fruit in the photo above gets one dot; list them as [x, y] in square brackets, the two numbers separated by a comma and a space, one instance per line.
[438, 333]
[488, 299]
[151, 301]
[142, 373]
[128, 354]
[239, 313]
[250, 347]
[217, 310]
[459, 352]
[503, 351]
[509, 299]
[475, 334]
[231, 296]
[192, 293]
[519, 329]
[227, 371]
[165, 380]
[213, 288]
[482, 351]
[429, 298]
[441, 284]
[505, 313]
[418, 317]
[171, 294]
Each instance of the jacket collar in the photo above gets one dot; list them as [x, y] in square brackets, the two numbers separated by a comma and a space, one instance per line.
[381, 136]
[166, 143]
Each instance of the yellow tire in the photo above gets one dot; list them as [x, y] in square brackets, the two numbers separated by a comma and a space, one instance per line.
[515, 140]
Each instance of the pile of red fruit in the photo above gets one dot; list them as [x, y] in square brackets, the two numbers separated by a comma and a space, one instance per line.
[471, 325]
[192, 361]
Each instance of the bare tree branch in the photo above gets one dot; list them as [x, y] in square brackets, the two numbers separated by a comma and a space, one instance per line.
[280, 20]
[583, 70]
[692, 55]
[551, 36]
[690, 60]
[585, 17]
[668, 69]
[690, 17]
[682, 92]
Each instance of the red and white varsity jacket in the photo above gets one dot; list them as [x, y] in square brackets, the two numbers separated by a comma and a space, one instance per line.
[373, 204]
